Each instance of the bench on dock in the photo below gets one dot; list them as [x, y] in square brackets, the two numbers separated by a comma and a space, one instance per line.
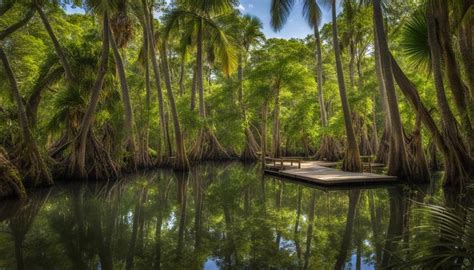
[279, 163]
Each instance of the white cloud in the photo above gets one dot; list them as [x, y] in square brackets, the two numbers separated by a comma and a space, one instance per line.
[241, 8]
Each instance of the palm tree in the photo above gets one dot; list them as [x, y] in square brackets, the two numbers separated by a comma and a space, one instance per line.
[31, 163]
[181, 161]
[249, 34]
[202, 15]
[120, 37]
[398, 158]
[280, 10]
[85, 139]
[150, 36]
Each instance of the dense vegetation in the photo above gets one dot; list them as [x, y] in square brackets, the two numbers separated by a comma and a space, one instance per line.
[118, 89]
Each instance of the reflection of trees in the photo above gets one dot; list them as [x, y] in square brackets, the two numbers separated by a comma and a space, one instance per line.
[375, 221]
[297, 225]
[347, 237]
[21, 223]
[309, 233]
[138, 221]
[395, 226]
[164, 185]
[182, 187]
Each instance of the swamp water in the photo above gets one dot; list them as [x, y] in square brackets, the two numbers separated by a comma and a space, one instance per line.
[218, 216]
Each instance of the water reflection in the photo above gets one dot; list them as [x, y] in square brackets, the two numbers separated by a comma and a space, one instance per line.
[218, 216]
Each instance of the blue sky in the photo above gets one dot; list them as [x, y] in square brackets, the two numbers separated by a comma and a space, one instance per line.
[296, 26]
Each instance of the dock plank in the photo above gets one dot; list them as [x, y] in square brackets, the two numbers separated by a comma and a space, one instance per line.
[314, 172]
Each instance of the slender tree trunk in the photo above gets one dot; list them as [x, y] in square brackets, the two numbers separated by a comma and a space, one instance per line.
[12, 28]
[35, 97]
[249, 153]
[398, 158]
[263, 132]
[181, 161]
[32, 164]
[384, 144]
[276, 147]
[199, 74]
[459, 90]
[456, 162]
[78, 162]
[57, 47]
[449, 121]
[129, 136]
[181, 76]
[352, 156]
[156, 71]
[193, 88]
[351, 63]
[319, 78]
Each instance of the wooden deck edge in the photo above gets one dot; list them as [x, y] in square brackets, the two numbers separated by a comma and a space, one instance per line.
[355, 182]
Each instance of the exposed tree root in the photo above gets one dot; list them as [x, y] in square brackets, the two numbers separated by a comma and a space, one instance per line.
[32, 165]
[420, 172]
[10, 180]
[98, 164]
[433, 160]
[144, 157]
[249, 152]
[350, 162]
[329, 150]
[384, 148]
[360, 130]
[207, 147]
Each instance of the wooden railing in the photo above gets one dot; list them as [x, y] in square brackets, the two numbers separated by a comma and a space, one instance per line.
[281, 161]
[367, 161]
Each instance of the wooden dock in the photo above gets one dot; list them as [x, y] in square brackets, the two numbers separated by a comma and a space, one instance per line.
[316, 172]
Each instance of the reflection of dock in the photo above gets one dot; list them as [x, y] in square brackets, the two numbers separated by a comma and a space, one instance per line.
[321, 172]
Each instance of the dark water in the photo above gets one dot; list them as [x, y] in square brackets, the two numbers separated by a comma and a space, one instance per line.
[220, 216]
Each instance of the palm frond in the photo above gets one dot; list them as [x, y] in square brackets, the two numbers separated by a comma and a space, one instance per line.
[312, 13]
[415, 41]
[280, 11]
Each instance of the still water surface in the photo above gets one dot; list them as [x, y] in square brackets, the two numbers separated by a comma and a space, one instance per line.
[219, 216]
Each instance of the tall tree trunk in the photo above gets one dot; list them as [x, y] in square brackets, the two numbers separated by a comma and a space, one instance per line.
[319, 78]
[57, 47]
[276, 144]
[206, 146]
[144, 159]
[156, 71]
[129, 136]
[77, 166]
[352, 156]
[458, 88]
[456, 161]
[199, 73]
[31, 162]
[449, 121]
[181, 76]
[249, 152]
[263, 142]
[352, 63]
[193, 88]
[398, 158]
[181, 161]
[384, 144]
